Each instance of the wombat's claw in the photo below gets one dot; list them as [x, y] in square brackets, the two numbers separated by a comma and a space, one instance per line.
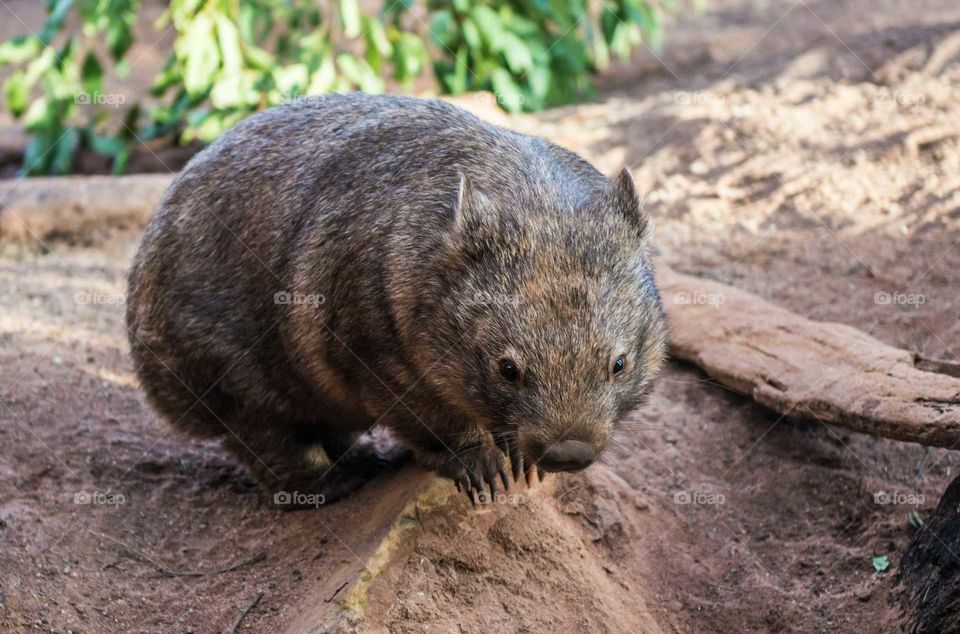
[505, 478]
[475, 472]
[464, 486]
[513, 455]
[473, 485]
[533, 476]
[475, 490]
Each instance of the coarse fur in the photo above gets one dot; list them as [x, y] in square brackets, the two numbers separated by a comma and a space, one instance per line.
[345, 261]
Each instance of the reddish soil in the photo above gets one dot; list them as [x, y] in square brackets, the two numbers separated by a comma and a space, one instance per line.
[805, 151]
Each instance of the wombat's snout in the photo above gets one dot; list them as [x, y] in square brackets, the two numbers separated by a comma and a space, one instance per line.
[568, 455]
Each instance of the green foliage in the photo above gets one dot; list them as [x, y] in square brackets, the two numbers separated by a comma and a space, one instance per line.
[231, 58]
[881, 563]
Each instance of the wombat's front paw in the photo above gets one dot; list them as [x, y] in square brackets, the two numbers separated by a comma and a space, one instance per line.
[470, 467]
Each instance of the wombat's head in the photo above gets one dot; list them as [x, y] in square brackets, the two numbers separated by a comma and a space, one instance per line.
[551, 328]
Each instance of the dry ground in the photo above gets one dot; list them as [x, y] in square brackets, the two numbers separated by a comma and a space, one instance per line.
[806, 151]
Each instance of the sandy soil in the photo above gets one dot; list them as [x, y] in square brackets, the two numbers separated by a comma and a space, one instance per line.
[805, 151]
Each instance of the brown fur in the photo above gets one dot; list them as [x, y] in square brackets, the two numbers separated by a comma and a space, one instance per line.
[426, 247]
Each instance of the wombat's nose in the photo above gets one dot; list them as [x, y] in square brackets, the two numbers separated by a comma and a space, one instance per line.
[569, 455]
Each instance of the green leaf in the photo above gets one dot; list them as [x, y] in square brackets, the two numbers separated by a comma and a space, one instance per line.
[36, 155]
[106, 144]
[202, 57]
[490, 27]
[63, 152]
[509, 95]
[378, 46]
[599, 48]
[376, 35]
[350, 17]
[58, 12]
[258, 58]
[459, 81]
[91, 74]
[292, 80]
[230, 50]
[881, 563]
[20, 49]
[539, 80]
[518, 55]
[209, 126]
[409, 57]
[227, 92]
[914, 519]
[116, 147]
[620, 42]
[16, 93]
[323, 79]
[168, 76]
[130, 122]
[41, 65]
[561, 14]
[443, 29]
[120, 161]
[471, 34]
[609, 21]
[359, 73]
[521, 26]
[119, 39]
[254, 22]
[46, 115]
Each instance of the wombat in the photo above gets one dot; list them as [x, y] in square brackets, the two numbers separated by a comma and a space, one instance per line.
[347, 261]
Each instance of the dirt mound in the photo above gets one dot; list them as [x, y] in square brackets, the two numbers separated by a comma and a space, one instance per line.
[553, 561]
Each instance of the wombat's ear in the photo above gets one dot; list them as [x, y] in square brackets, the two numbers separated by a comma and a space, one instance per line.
[470, 209]
[627, 202]
[464, 193]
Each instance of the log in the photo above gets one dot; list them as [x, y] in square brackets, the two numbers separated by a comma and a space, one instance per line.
[819, 370]
[35, 209]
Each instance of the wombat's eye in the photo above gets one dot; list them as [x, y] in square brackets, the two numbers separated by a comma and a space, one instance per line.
[619, 365]
[509, 370]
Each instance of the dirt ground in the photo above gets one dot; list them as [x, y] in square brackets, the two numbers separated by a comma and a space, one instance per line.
[805, 151]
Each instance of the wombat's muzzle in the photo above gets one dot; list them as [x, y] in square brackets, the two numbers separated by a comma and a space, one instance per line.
[568, 455]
